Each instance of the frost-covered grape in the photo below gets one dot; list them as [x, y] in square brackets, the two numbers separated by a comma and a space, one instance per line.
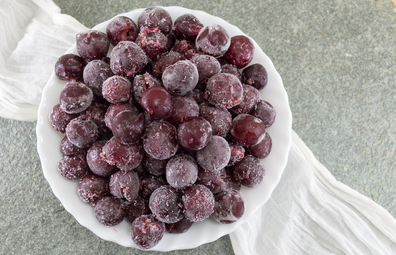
[73, 168]
[224, 90]
[249, 172]
[147, 231]
[159, 140]
[187, 27]
[215, 155]
[96, 163]
[59, 118]
[92, 188]
[164, 203]
[70, 67]
[213, 40]
[117, 89]
[249, 99]
[229, 206]
[95, 73]
[183, 108]
[108, 211]
[264, 111]
[219, 118]
[92, 44]
[180, 78]
[157, 102]
[75, 97]
[82, 133]
[121, 28]
[181, 171]
[127, 59]
[125, 157]
[128, 126]
[198, 203]
[124, 184]
[156, 17]
[194, 133]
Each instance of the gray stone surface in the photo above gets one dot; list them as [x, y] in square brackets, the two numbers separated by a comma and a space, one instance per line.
[337, 60]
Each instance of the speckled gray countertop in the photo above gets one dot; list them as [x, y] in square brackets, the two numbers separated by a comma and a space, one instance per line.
[337, 60]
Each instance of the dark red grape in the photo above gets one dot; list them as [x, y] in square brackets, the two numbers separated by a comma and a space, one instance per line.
[255, 75]
[73, 168]
[154, 166]
[141, 83]
[109, 212]
[183, 108]
[229, 179]
[165, 204]
[156, 17]
[157, 102]
[166, 59]
[115, 109]
[231, 69]
[117, 89]
[147, 231]
[197, 94]
[264, 111]
[213, 40]
[70, 67]
[69, 149]
[121, 28]
[125, 157]
[240, 52]
[124, 184]
[213, 180]
[127, 59]
[249, 172]
[179, 227]
[187, 27]
[95, 73]
[224, 90]
[92, 44]
[249, 99]
[92, 188]
[96, 112]
[96, 163]
[180, 77]
[75, 97]
[215, 155]
[198, 203]
[194, 133]
[137, 208]
[229, 206]
[237, 154]
[128, 127]
[218, 117]
[247, 130]
[159, 140]
[207, 66]
[153, 42]
[263, 148]
[59, 118]
[149, 184]
[188, 50]
[82, 133]
[181, 171]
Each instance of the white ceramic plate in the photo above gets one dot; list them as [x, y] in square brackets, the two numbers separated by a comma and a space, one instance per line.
[48, 141]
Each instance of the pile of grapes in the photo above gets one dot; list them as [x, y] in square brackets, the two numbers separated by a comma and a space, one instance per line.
[163, 128]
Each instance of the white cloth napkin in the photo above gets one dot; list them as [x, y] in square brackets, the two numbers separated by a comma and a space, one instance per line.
[308, 213]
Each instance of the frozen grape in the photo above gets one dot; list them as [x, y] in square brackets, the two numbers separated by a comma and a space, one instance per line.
[109, 212]
[249, 172]
[153, 42]
[69, 149]
[157, 102]
[92, 188]
[149, 184]
[125, 157]
[121, 28]
[124, 184]
[92, 44]
[213, 40]
[187, 27]
[215, 155]
[247, 130]
[73, 168]
[213, 180]
[180, 78]
[127, 59]
[70, 67]
[218, 117]
[224, 90]
[147, 231]
[249, 99]
[264, 111]
[198, 203]
[183, 108]
[75, 97]
[115, 109]
[194, 133]
[59, 118]
[229, 206]
[181, 171]
[128, 126]
[165, 204]
[156, 17]
[159, 140]
[96, 163]
[117, 89]
[188, 50]
[207, 66]
[95, 73]
[82, 133]
[237, 154]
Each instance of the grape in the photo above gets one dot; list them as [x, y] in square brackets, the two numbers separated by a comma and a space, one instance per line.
[237, 154]
[69, 149]
[154, 166]
[194, 133]
[149, 184]
[179, 227]
[121, 28]
[73, 168]
[207, 66]
[263, 148]
[218, 117]
[159, 140]
[255, 75]
[124, 184]
[82, 133]
[183, 108]
[59, 118]
[141, 83]
[157, 102]
[249, 172]
[215, 155]
[213, 180]
[115, 109]
[264, 111]
[92, 44]
[109, 212]
[70, 67]
[181, 171]
[166, 59]
[249, 100]
[247, 130]
[92, 188]
[231, 69]
[75, 97]
[164, 203]
[125, 157]
[147, 231]
[153, 42]
[187, 27]
[240, 52]
[180, 77]
[156, 17]
[198, 203]
[213, 40]
[224, 90]
[127, 59]
[229, 206]
[117, 89]
[95, 73]
[96, 163]
[128, 126]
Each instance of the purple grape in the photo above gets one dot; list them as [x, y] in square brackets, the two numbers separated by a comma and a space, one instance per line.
[128, 126]
[147, 231]
[181, 171]
[73, 168]
[263, 148]
[156, 17]
[69, 149]
[154, 166]
[121, 28]
[194, 133]
[149, 184]
[124, 184]
[127, 59]
[231, 69]
[95, 73]
[180, 77]
[179, 227]
[215, 155]
[117, 89]
[75, 97]
[229, 206]
[141, 83]
[224, 90]
[237, 154]
[70, 67]
[255, 75]
[207, 66]
[183, 108]
[249, 172]
[96, 163]
[219, 118]
[159, 140]
[240, 52]
[92, 44]
[213, 180]
[187, 27]
[213, 40]
[92, 188]
[157, 102]
[198, 203]
[125, 157]
[82, 133]
[165, 204]
[109, 212]
[59, 118]
[153, 42]
[249, 99]
[264, 111]
[247, 130]
[166, 59]
[115, 109]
